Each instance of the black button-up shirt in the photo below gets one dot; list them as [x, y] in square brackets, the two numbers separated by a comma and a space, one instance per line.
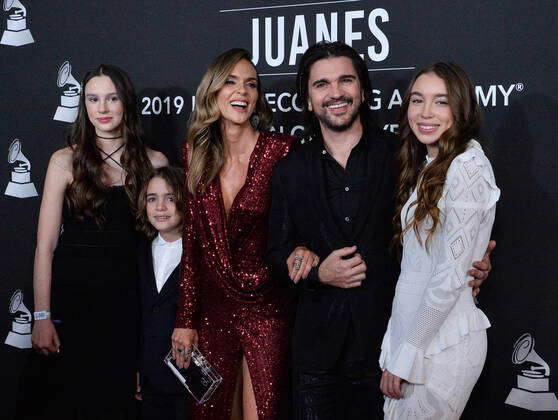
[344, 188]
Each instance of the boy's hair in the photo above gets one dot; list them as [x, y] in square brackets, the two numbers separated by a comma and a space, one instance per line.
[174, 177]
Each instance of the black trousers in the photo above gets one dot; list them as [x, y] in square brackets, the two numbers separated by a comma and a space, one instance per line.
[156, 406]
[350, 390]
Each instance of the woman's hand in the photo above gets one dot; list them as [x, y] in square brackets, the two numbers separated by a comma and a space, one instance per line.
[391, 385]
[44, 338]
[300, 262]
[182, 341]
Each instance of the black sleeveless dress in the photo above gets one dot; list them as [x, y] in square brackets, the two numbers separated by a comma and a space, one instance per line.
[95, 309]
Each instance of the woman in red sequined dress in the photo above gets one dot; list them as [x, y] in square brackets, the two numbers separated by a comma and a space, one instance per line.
[229, 305]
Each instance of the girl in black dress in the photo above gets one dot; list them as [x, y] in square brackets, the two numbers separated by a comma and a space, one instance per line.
[85, 280]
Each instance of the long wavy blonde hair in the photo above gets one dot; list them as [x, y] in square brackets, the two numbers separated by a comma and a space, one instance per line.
[411, 156]
[206, 149]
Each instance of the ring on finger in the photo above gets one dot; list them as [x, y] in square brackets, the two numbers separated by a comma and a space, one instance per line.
[297, 264]
[298, 257]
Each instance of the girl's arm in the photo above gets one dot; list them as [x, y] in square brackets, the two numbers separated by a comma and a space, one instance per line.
[156, 158]
[468, 211]
[58, 177]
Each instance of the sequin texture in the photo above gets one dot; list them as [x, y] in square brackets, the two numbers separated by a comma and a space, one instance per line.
[227, 293]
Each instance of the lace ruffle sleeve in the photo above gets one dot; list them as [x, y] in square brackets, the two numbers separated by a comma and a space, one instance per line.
[467, 215]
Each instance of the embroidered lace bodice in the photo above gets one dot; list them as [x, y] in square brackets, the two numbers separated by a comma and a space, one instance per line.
[433, 307]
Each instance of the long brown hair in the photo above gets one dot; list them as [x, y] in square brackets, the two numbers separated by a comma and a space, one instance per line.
[174, 177]
[206, 149]
[411, 156]
[86, 195]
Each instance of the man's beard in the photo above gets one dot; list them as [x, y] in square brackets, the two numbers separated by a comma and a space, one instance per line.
[328, 123]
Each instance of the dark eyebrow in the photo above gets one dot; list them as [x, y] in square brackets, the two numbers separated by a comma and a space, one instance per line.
[438, 95]
[347, 76]
[95, 94]
[320, 81]
[249, 79]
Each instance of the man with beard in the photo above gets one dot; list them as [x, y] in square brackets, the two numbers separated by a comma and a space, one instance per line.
[334, 194]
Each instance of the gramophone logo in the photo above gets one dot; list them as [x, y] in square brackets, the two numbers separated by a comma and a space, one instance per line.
[20, 186]
[69, 98]
[20, 335]
[532, 391]
[16, 32]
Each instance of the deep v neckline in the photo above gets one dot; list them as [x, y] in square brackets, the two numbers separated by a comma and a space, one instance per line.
[227, 216]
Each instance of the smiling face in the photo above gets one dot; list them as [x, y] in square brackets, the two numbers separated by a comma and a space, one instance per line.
[334, 93]
[238, 97]
[104, 106]
[429, 112]
[161, 209]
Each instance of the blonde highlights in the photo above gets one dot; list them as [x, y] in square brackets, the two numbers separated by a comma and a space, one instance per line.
[411, 157]
[206, 149]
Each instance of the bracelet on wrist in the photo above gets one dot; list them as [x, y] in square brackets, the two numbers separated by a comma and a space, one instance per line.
[40, 315]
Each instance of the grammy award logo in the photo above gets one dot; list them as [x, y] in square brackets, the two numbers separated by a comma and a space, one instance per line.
[69, 96]
[20, 334]
[532, 391]
[16, 32]
[20, 186]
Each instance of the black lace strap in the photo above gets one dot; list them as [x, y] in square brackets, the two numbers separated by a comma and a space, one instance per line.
[109, 155]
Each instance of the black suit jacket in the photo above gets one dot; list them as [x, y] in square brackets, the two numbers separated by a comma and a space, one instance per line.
[158, 316]
[300, 215]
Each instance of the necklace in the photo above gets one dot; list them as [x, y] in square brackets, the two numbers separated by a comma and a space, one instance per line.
[108, 138]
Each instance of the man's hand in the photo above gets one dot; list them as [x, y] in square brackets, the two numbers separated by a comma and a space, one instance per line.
[337, 272]
[300, 262]
[481, 269]
[391, 385]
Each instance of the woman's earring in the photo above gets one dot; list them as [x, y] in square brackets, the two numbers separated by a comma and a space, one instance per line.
[255, 120]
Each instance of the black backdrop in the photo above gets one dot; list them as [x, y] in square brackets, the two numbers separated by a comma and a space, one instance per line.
[508, 48]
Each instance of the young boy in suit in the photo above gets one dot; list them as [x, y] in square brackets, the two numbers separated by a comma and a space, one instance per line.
[160, 217]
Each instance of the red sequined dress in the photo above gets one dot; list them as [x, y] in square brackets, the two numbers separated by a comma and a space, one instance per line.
[226, 292]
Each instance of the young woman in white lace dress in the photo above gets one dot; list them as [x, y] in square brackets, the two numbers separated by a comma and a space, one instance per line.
[435, 345]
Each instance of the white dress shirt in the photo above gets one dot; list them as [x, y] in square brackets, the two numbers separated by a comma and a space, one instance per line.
[166, 256]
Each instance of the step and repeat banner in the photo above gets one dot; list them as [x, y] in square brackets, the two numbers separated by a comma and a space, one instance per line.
[508, 48]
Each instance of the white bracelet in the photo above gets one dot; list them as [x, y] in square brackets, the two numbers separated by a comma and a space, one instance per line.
[37, 316]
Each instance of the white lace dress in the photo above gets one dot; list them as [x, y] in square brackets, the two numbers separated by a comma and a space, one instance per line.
[436, 338]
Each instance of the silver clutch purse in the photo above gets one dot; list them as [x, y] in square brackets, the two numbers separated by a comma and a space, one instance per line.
[199, 378]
